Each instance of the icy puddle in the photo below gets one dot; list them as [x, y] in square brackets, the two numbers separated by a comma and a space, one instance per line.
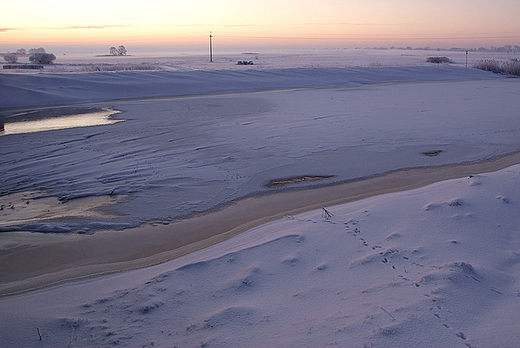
[58, 118]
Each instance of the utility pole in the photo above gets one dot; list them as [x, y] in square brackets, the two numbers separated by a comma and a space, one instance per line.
[466, 58]
[210, 47]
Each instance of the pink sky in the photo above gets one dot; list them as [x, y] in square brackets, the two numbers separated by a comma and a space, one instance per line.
[441, 23]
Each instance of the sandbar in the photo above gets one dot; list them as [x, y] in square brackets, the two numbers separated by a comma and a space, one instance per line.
[42, 260]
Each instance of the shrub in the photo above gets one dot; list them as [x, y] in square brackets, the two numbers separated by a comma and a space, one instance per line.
[11, 58]
[42, 58]
[511, 66]
[439, 60]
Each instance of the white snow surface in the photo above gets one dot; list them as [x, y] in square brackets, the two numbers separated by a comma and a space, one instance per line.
[437, 266]
[194, 140]
[67, 88]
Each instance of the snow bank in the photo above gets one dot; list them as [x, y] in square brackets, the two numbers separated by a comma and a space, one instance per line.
[60, 89]
[436, 266]
[175, 156]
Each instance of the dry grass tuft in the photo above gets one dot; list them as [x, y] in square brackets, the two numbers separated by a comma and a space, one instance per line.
[511, 66]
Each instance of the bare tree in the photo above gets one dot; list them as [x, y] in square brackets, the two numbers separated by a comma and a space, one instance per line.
[11, 58]
[113, 51]
[121, 51]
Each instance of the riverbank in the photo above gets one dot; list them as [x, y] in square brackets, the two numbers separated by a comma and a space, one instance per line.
[37, 260]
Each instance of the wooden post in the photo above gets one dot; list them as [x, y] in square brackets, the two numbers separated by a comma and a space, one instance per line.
[210, 47]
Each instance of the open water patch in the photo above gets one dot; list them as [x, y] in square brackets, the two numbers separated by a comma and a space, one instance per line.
[297, 179]
[432, 153]
[57, 118]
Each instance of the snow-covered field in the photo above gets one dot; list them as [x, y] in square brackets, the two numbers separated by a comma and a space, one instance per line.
[432, 267]
[436, 266]
[262, 59]
[195, 153]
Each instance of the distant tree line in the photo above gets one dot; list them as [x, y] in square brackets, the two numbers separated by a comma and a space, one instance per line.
[506, 49]
[36, 55]
[24, 52]
[503, 49]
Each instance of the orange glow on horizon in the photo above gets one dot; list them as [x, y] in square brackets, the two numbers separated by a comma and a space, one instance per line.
[291, 22]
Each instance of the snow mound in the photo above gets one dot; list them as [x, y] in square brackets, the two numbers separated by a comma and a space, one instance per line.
[379, 272]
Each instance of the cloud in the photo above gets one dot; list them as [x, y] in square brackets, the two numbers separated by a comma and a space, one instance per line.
[238, 25]
[356, 24]
[72, 27]
[95, 26]
[213, 25]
